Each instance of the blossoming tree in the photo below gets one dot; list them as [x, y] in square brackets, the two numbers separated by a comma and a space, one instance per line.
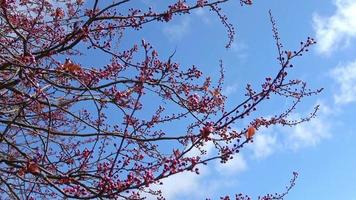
[70, 130]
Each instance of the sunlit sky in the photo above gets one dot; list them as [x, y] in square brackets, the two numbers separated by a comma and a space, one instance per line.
[323, 150]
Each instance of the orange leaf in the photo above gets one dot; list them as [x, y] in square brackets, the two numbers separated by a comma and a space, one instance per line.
[33, 168]
[21, 172]
[71, 67]
[65, 180]
[250, 132]
[289, 54]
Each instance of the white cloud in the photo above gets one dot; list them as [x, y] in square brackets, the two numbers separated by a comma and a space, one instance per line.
[312, 132]
[203, 15]
[230, 89]
[200, 12]
[308, 134]
[264, 144]
[175, 31]
[240, 50]
[345, 76]
[208, 147]
[183, 184]
[188, 185]
[338, 29]
[280, 138]
[180, 26]
[232, 167]
[238, 46]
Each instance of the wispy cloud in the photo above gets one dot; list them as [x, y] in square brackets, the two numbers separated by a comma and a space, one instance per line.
[176, 31]
[280, 138]
[230, 89]
[264, 144]
[203, 15]
[240, 50]
[184, 184]
[312, 132]
[345, 77]
[232, 167]
[308, 134]
[188, 185]
[337, 30]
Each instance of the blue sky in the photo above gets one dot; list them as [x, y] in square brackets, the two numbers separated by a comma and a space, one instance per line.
[322, 151]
